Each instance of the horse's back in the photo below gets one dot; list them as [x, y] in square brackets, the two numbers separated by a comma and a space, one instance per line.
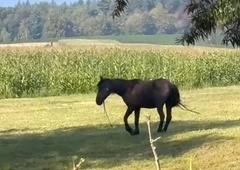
[149, 94]
[151, 87]
[162, 85]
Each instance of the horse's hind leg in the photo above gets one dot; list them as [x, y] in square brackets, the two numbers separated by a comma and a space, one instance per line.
[137, 114]
[162, 116]
[125, 119]
[169, 116]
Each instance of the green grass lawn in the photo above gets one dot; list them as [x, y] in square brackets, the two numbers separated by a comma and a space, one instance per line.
[45, 133]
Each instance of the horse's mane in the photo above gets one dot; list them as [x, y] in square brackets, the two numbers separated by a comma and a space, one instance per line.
[101, 81]
[118, 79]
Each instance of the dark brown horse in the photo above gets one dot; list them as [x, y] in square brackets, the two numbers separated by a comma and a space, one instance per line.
[139, 94]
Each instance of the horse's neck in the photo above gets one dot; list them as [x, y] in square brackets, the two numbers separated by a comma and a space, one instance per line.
[120, 87]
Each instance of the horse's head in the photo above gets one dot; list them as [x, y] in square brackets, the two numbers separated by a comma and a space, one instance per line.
[104, 90]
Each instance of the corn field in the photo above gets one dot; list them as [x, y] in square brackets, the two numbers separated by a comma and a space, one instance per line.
[50, 72]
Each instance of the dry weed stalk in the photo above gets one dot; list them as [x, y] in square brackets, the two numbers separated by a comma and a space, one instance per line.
[157, 162]
[77, 166]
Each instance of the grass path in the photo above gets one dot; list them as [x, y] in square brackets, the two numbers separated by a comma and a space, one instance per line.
[44, 133]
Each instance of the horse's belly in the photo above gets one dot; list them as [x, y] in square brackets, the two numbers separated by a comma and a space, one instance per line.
[147, 105]
[139, 101]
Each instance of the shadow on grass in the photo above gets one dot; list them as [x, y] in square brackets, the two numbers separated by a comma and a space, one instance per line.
[101, 146]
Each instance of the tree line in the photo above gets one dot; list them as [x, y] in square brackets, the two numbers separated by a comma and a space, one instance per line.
[45, 20]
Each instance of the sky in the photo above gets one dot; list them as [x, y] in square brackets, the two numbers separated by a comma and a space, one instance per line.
[12, 3]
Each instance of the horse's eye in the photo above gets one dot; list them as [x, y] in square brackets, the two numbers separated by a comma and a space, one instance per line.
[107, 89]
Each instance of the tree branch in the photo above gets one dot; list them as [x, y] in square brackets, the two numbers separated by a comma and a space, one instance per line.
[120, 6]
[205, 16]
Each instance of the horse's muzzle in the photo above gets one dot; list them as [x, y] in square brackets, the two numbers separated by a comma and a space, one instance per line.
[99, 103]
[100, 98]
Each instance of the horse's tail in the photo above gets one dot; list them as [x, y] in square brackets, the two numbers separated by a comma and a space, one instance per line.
[185, 107]
[175, 99]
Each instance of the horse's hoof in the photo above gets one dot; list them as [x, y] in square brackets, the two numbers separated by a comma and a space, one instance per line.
[132, 134]
[136, 132]
[159, 131]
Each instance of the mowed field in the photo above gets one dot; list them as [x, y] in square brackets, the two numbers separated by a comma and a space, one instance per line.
[46, 133]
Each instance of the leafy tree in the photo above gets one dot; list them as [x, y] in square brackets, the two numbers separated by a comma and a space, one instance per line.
[133, 24]
[12, 26]
[27, 3]
[148, 24]
[137, 4]
[111, 28]
[89, 26]
[5, 36]
[5, 12]
[173, 5]
[22, 12]
[88, 2]
[80, 2]
[35, 24]
[58, 23]
[182, 21]
[93, 10]
[78, 17]
[104, 5]
[164, 21]
[148, 5]
[23, 32]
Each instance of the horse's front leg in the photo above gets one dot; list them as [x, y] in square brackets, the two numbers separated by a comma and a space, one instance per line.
[125, 119]
[137, 114]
